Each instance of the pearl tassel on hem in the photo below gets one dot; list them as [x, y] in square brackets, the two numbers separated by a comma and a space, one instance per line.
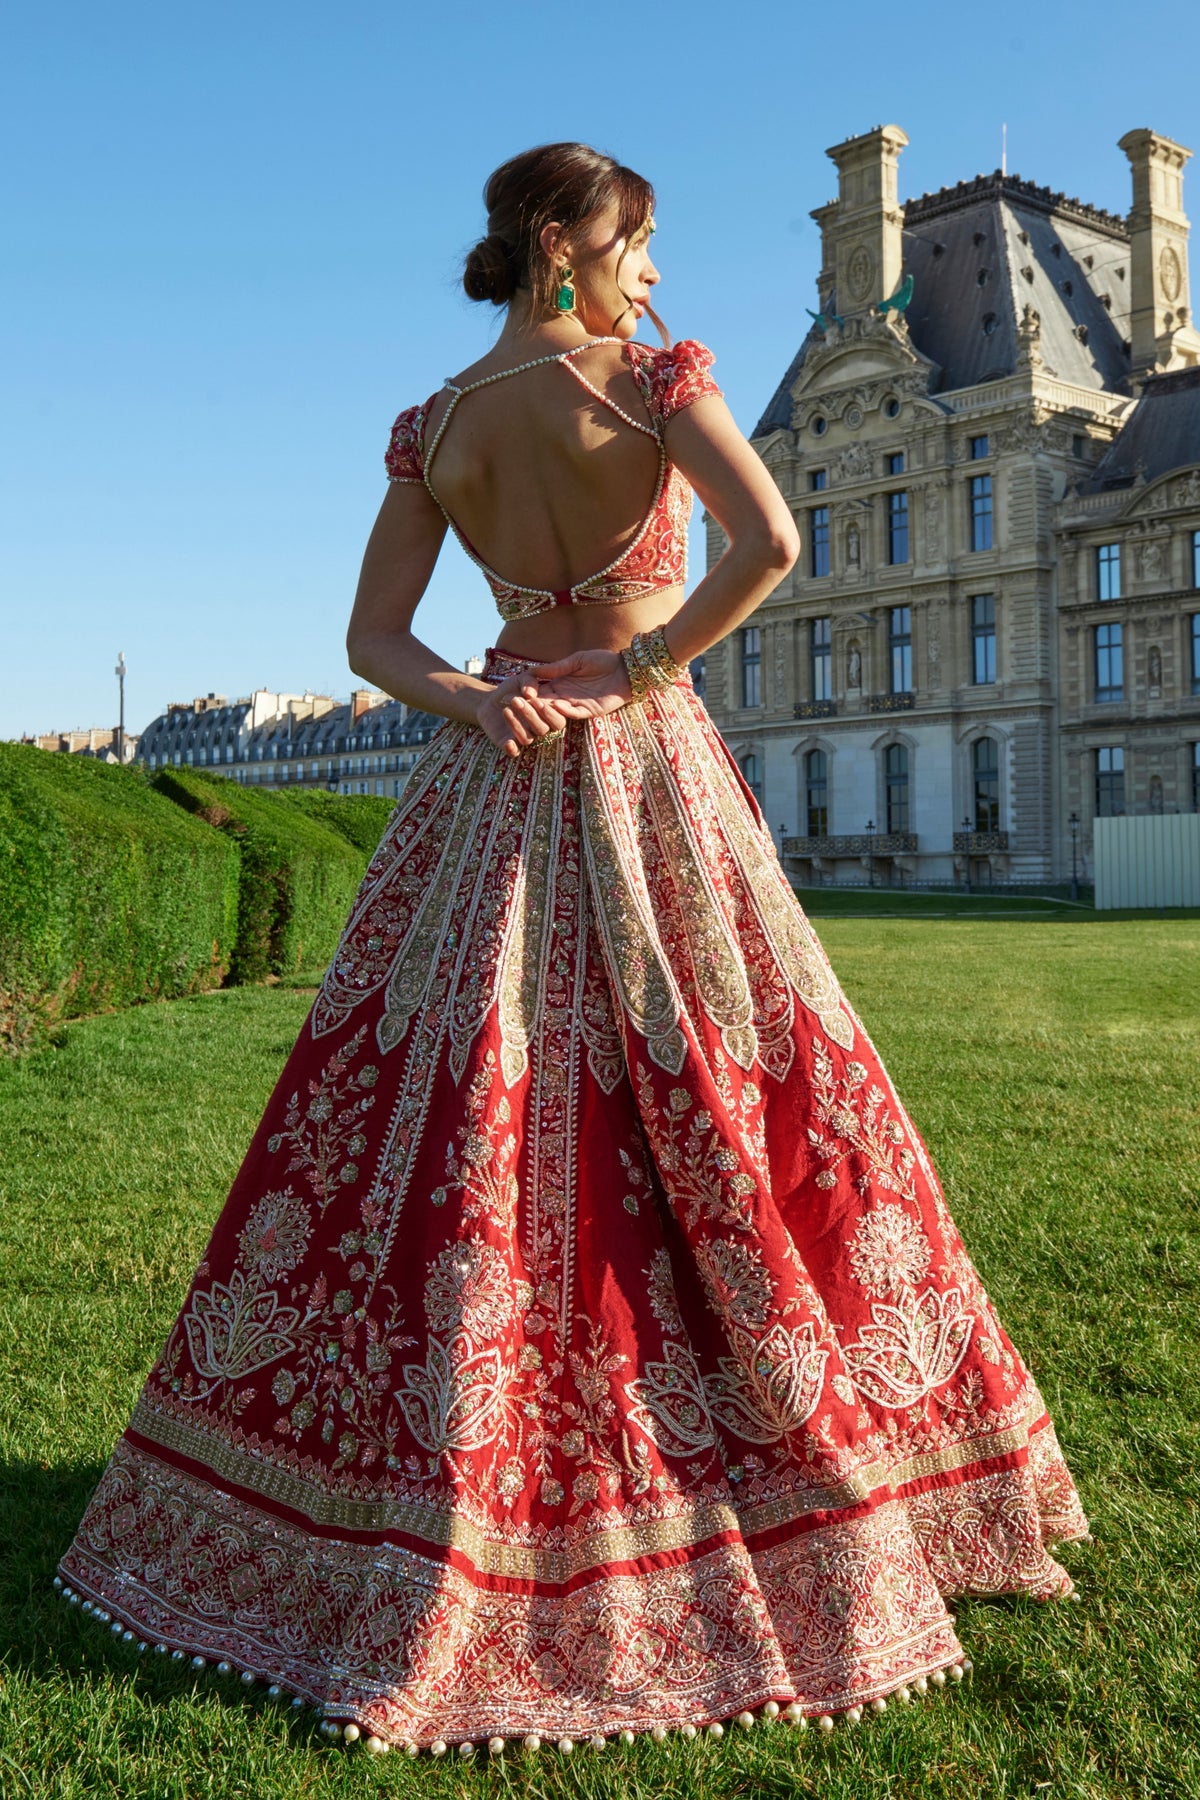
[772, 1711]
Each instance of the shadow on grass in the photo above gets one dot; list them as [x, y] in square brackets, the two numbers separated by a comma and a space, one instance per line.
[46, 1639]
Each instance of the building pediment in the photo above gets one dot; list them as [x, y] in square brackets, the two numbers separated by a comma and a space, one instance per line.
[1177, 491]
[866, 351]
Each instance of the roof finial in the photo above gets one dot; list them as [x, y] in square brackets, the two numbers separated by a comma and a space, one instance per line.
[1004, 149]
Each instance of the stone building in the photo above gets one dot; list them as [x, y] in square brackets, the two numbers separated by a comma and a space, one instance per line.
[98, 741]
[999, 385]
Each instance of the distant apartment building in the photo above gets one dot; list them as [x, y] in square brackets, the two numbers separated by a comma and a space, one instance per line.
[366, 745]
[99, 741]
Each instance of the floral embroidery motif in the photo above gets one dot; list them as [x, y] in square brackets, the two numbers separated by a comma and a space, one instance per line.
[738, 1285]
[870, 1136]
[468, 1291]
[275, 1236]
[888, 1250]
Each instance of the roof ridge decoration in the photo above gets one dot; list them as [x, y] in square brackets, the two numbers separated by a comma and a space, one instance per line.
[999, 185]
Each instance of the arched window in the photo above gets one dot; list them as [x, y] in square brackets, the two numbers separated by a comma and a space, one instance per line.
[751, 767]
[895, 781]
[816, 793]
[985, 773]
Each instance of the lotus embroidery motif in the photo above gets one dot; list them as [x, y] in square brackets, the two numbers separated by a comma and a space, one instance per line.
[452, 1401]
[772, 1385]
[234, 1330]
[670, 1405]
[910, 1348]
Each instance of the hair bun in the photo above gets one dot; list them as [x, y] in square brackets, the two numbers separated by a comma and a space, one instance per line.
[490, 272]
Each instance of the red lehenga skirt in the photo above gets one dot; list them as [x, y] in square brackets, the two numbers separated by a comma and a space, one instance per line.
[585, 1345]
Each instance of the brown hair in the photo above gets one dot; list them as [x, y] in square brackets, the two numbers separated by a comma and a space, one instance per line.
[568, 182]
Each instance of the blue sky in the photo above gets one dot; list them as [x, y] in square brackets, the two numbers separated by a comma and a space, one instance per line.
[233, 245]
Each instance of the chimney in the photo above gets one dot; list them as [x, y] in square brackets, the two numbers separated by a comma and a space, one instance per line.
[360, 701]
[1162, 334]
[862, 230]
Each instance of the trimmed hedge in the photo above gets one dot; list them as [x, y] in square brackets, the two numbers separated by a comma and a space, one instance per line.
[298, 879]
[108, 893]
[362, 818]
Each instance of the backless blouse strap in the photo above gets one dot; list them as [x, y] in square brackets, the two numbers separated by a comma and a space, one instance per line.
[559, 356]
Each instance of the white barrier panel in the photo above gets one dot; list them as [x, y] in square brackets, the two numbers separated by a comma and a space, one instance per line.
[1150, 861]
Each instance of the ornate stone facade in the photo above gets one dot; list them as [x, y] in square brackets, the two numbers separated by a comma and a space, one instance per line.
[919, 696]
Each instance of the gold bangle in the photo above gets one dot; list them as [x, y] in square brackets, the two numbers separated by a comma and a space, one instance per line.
[667, 670]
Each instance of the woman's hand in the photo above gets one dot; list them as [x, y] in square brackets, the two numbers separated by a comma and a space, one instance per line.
[514, 714]
[586, 684]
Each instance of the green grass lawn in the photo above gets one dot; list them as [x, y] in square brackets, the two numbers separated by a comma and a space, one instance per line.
[1054, 1070]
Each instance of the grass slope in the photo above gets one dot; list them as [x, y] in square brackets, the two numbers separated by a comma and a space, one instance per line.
[1054, 1075]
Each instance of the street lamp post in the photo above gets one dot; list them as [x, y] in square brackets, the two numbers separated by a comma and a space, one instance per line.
[870, 853]
[1073, 822]
[966, 825]
[119, 672]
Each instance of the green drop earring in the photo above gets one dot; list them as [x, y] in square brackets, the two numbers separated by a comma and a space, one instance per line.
[564, 299]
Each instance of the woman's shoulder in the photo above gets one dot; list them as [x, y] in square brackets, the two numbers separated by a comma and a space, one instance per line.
[674, 375]
[404, 458]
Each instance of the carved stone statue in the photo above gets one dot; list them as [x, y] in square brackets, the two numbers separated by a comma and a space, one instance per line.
[1156, 794]
[853, 547]
[1154, 667]
[1154, 559]
[854, 667]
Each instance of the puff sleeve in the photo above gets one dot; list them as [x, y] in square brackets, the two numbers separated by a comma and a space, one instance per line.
[675, 378]
[402, 459]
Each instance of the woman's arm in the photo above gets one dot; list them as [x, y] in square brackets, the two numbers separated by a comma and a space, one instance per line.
[703, 442]
[734, 486]
[380, 646]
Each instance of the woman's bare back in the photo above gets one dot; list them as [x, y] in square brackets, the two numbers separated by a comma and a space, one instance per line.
[548, 483]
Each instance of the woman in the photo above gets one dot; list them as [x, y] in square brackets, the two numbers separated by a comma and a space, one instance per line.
[585, 1346]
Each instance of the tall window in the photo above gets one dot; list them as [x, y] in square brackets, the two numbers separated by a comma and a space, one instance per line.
[983, 638]
[980, 447]
[752, 770]
[818, 481]
[1108, 571]
[1195, 653]
[985, 773]
[894, 462]
[897, 527]
[1196, 777]
[751, 666]
[1110, 782]
[816, 793]
[1196, 559]
[981, 511]
[1109, 663]
[895, 787]
[822, 659]
[819, 555]
[900, 648]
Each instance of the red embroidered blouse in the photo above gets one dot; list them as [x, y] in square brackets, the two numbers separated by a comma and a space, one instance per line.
[657, 558]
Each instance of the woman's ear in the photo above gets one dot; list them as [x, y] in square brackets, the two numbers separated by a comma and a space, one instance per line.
[551, 239]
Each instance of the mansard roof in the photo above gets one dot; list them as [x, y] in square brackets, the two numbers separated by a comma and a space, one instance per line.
[1161, 433]
[980, 252]
[388, 724]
